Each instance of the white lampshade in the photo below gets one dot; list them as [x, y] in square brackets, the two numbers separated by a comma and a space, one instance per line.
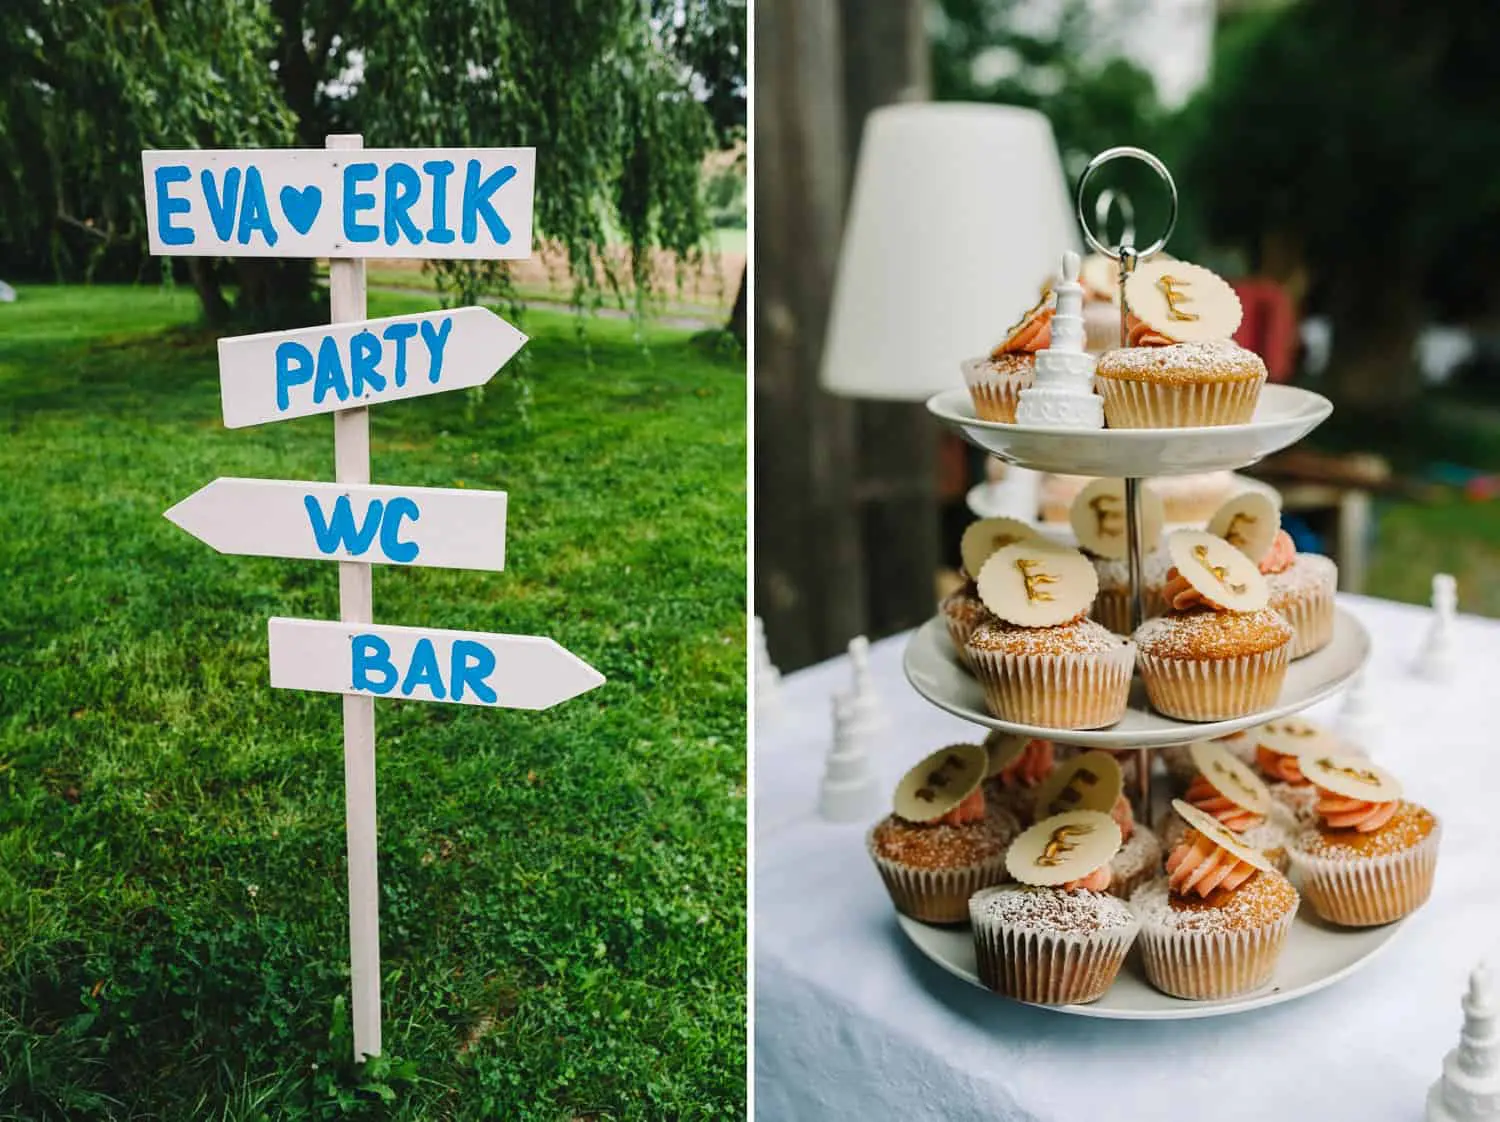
[959, 214]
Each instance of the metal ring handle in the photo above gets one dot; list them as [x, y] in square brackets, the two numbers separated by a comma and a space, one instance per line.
[1109, 197]
[1109, 154]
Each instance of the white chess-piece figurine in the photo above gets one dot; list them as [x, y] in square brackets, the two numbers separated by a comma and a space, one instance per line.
[868, 712]
[1063, 394]
[767, 677]
[851, 788]
[1359, 727]
[1469, 1089]
[1437, 657]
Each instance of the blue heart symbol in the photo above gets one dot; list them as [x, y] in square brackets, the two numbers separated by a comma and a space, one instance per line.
[301, 207]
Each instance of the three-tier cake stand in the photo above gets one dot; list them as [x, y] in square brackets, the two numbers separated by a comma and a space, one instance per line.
[1316, 954]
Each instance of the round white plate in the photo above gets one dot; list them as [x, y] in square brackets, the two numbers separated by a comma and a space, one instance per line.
[1316, 955]
[1283, 416]
[933, 669]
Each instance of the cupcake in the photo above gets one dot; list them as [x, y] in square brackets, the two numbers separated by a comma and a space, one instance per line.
[1279, 747]
[1180, 367]
[1041, 661]
[963, 610]
[1219, 652]
[1226, 788]
[1214, 926]
[1302, 585]
[1018, 764]
[1371, 856]
[1097, 517]
[995, 382]
[1094, 780]
[1056, 937]
[943, 842]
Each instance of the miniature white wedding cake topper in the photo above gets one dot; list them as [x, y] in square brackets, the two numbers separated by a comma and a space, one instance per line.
[1063, 395]
[1469, 1089]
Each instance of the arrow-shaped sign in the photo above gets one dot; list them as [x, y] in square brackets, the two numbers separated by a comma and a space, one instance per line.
[278, 375]
[437, 527]
[426, 664]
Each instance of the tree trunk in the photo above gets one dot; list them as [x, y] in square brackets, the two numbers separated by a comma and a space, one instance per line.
[1373, 366]
[809, 567]
[205, 276]
[886, 61]
[277, 293]
[737, 315]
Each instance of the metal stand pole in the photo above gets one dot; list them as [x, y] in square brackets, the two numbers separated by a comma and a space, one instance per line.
[351, 450]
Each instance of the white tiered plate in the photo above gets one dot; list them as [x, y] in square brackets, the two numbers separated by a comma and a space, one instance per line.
[1283, 416]
[1316, 955]
[934, 671]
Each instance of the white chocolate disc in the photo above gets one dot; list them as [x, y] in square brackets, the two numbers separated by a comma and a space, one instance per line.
[940, 782]
[1098, 519]
[1353, 777]
[1293, 736]
[1221, 835]
[1224, 575]
[1038, 584]
[982, 538]
[1003, 749]
[1230, 777]
[1248, 522]
[1063, 847]
[1100, 276]
[1092, 781]
[1183, 301]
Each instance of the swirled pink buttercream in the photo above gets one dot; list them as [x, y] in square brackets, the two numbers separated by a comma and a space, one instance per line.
[1343, 813]
[1280, 557]
[1197, 864]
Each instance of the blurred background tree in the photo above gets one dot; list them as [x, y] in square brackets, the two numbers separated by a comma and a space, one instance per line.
[623, 107]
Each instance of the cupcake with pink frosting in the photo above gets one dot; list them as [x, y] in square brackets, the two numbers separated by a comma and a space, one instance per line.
[1371, 857]
[1215, 925]
[1279, 748]
[1302, 587]
[1056, 936]
[1018, 765]
[995, 381]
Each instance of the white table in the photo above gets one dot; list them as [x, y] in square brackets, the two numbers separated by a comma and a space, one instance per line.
[852, 1022]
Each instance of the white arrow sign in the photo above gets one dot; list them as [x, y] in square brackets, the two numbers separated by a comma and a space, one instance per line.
[374, 202]
[278, 375]
[438, 527]
[426, 664]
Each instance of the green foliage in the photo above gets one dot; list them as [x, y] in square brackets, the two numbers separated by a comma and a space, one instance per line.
[562, 893]
[620, 110]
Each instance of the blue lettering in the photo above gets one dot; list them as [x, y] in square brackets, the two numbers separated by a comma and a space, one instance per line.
[356, 201]
[364, 356]
[423, 671]
[476, 203]
[255, 214]
[372, 655]
[221, 206]
[465, 672]
[390, 528]
[330, 372]
[436, 338]
[440, 170]
[403, 186]
[166, 205]
[294, 367]
[399, 333]
[340, 530]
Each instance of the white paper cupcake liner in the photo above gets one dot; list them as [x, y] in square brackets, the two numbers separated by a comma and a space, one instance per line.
[958, 634]
[936, 895]
[1050, 968]
[1369, 891]
[995, 395]
[1310, 612]
[1208, 965]
[1131, 404]
[1058, 691]
[1214, 689]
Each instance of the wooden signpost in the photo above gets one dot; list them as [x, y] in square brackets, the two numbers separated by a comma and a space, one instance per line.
[347, 203]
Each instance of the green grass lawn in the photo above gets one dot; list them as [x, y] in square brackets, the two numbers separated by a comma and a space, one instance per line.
[562, 894]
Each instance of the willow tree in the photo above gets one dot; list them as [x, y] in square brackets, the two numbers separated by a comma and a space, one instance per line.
[597, 88]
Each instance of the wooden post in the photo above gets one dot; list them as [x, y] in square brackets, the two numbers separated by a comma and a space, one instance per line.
[351, 451]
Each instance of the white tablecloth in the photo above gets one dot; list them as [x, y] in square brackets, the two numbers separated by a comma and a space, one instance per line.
[852, 1022]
